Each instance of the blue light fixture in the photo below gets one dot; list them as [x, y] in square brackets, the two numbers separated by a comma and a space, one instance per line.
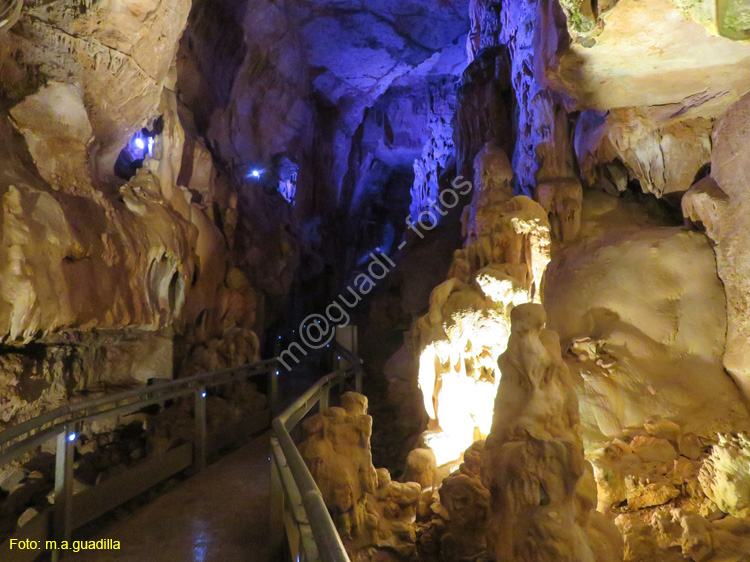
[139, 144]
[72, 437]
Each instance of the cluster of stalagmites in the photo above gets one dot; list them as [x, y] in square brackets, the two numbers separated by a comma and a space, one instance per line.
[525, 494]
[664, 490]
[372, 512]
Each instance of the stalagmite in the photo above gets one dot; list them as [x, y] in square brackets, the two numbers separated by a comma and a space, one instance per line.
[542, 497]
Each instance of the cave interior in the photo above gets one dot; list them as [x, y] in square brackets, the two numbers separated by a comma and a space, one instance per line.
[527, 218]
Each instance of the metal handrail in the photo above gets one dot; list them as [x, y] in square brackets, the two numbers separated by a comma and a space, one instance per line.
[135, 399]
[10, 12]
[350, 357]
[292, 477]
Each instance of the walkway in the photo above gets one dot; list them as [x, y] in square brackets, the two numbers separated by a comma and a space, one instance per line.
[219, 515]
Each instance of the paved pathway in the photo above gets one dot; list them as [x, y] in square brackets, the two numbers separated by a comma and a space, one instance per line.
[219, 515]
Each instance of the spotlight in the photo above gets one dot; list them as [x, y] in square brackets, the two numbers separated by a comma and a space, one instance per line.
[139, 144]
[72, 437]
[255, 174]
[203, 394]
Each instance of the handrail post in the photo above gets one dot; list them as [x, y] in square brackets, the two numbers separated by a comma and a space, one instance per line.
[273, 390]
[199, 451]
[276, 509]
[64, 452]
[358, 379]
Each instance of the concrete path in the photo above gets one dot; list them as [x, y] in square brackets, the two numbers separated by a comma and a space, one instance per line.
[219, 515]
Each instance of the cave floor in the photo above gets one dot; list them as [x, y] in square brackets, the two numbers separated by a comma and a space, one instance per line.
[220, 514]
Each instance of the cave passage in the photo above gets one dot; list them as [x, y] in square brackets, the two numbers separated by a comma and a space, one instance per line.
[388, 281]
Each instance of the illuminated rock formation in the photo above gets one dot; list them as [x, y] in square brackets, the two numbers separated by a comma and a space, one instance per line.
[562, 200]
[542, 494]
[720, 208]
[421, 467]
[725, 475]
[178, 177]
[664, 158]
[459, 340]
[101, 276]
[335, 446]
[652, 438]
[484, 108]
[132, 270]
[558, 189]
[466, 502]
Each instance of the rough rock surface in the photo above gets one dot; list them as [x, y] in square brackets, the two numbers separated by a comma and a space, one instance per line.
[241, 73]
[725, 475]
[457, 525]
[118, 53]
[367, 50]
[640, 311]
[485, 106]
[84, 268]
[437, 149]
[686, 507]
[677, 535]
[101, 276]
[645, 53]
[724, 212]
[664, 156]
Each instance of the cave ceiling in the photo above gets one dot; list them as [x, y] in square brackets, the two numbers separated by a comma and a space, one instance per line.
[356, 50]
